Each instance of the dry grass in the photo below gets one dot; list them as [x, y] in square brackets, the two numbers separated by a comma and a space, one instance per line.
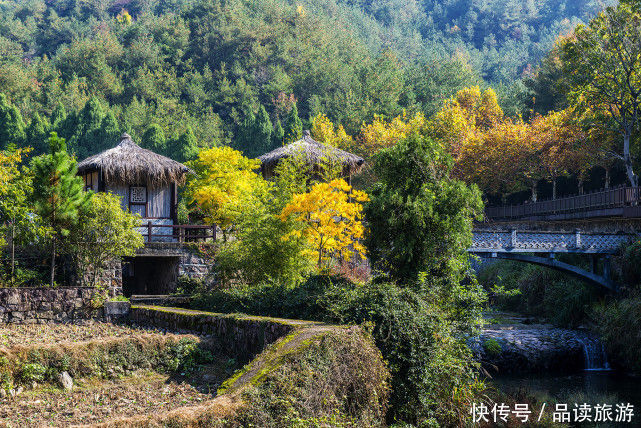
[94, 401]
[40, 334]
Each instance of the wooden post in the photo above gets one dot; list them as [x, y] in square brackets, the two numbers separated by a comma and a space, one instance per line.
[607, 267]
[149, 231]
[181, 234]
[213, 230]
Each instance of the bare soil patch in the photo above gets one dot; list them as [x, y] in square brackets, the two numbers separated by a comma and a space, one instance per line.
[95, 400]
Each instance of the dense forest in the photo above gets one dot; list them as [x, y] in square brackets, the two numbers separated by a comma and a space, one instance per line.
[181, 74]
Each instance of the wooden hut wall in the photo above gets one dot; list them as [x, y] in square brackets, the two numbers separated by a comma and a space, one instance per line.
[158, 200]
[91, 181]
[123, 192]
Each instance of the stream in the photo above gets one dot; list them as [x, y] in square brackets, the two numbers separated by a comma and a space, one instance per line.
[553, 365]
[592, 387]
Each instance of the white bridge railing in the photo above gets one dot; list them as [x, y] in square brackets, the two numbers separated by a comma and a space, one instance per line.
[494, 241]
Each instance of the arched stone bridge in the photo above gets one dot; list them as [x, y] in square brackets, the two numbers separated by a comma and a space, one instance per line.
[540, 247]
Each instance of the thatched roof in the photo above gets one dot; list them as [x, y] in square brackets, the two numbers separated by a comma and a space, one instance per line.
[128, 163]
[315, 152]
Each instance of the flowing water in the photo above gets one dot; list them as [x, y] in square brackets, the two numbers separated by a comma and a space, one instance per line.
[596, 359]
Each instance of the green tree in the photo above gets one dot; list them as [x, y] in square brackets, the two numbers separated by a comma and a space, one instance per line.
[263, 130]
[109, 131]
[293, 125]
[58, 115]
[185, 148]
[11, 124]
[103, 233]
[420, 219]
[36, 134]
[58, 194]
[603, 64]
[15, 190]
[278, 136]
[154, 139]
[86, 138]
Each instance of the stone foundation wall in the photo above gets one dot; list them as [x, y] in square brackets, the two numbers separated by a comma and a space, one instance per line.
[241, 335]
[44, 305]
[191, 262]
[110, 279]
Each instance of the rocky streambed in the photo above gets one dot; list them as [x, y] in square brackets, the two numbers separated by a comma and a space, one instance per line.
[513, 344]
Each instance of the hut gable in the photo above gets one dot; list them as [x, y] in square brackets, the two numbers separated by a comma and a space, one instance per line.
[128, 164]
[314, 152]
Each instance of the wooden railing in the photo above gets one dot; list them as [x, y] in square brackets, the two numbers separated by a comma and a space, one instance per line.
[152, 232]
[599, 200]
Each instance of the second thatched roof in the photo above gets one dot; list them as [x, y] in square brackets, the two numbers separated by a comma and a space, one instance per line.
[128, 163]
[314, 152]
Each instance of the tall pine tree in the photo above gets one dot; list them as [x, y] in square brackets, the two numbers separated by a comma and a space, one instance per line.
[263, 130]
[293, 125]
[109, 131]
[58, 193]
[185, 147]
[36, 135]
[154, 139]
[278, 136]
[12, 126]
[86, 137]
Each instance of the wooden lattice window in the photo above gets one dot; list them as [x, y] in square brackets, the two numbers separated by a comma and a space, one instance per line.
[138, 200]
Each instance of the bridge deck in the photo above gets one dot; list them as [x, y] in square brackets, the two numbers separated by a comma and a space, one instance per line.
[513, 241]
[621, 202]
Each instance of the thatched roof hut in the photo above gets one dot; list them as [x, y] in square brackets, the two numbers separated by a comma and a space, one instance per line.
[128, 163]
[146, 182]
[314, 152]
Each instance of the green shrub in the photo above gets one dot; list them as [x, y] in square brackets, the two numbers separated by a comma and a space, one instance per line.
[188, 285]
[416, 329]
[492, 347]
[619, 323]
[630, 265]
[32, 372]
[539, 291]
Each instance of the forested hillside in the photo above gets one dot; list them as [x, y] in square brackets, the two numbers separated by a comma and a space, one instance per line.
[179, 74]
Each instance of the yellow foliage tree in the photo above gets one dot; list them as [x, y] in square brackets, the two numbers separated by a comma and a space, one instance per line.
[463, 116]
[382, 133]
[124, 17]
[330, 217]
[226, 183]
[323, 130]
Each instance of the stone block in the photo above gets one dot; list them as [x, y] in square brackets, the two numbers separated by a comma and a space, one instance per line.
[116, 308]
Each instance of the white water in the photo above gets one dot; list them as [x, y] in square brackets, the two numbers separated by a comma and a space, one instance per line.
[596, 359]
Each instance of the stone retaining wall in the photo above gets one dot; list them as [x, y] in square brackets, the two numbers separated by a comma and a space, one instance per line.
[241, 335]
[525, 349]
[44, 305]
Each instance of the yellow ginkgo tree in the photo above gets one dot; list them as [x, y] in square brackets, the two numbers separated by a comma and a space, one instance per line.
[225, 185]
[330, 217]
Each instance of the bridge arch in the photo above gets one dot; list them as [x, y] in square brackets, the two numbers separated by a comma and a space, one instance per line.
[540, 247]
[550, 262]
